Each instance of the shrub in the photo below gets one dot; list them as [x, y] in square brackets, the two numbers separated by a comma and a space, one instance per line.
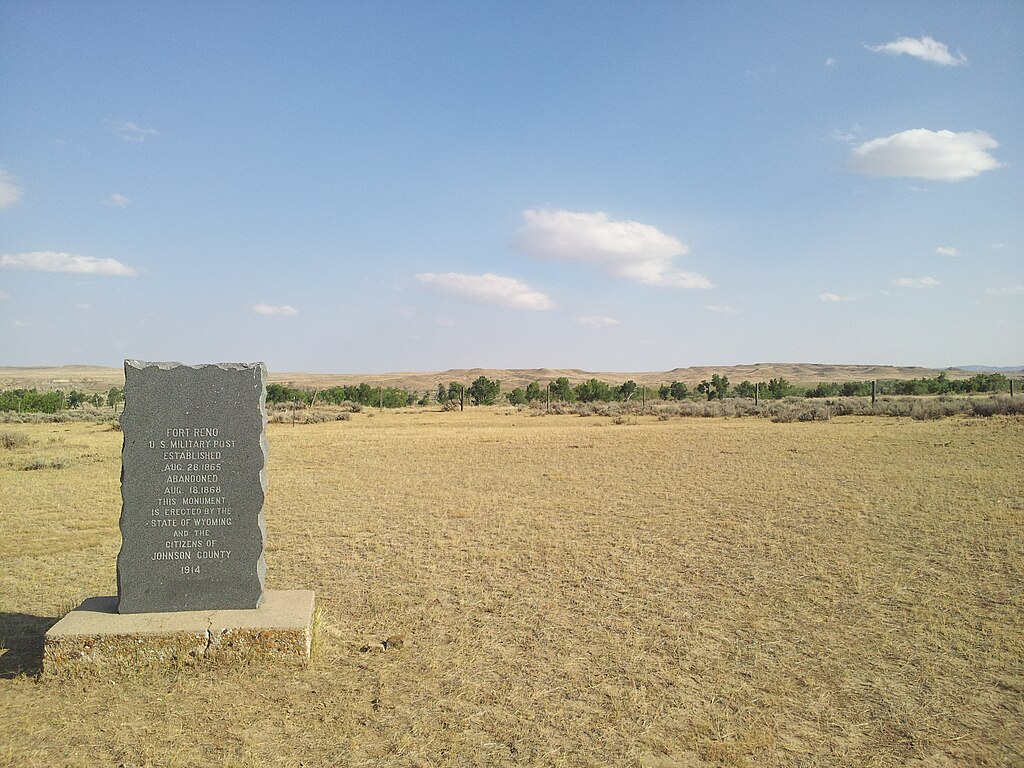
[41, 463]
[11, 440]
[1002, 405]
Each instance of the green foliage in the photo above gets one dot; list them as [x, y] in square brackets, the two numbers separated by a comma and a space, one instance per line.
[562, 391]
[484, 391]
[720, 385]
[627, 389]
[705, 389]
[592, 391]
[534, 392]
[517, 396]
[678, 390]
[442, 393]
[31, 401]
[745, 389]
[115, 396]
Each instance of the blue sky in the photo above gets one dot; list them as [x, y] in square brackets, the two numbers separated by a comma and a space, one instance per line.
[365, 187]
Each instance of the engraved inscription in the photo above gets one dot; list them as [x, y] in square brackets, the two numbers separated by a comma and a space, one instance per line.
[192, 505]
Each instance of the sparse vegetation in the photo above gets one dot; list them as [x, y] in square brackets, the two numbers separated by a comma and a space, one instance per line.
[13, 440]
[722, 592]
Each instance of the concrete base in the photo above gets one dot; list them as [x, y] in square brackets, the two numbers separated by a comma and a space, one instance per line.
[95, 637]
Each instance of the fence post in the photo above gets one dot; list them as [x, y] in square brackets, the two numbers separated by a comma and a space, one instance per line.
[643, 407]
[873, 384]
[462, 399]
[549, 396]
[757, 392]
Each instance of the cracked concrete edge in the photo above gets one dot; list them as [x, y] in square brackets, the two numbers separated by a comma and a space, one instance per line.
[95, 638]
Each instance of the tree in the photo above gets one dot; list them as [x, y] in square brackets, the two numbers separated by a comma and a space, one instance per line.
[75, 398]
[593, 390]
[627, 389]
[778, 388]
[744, 389]
[720, 385]
[115, 396]
[517, 396]
[484, 391]
[664, 391]
[533, 392]
[678, 390]
[442, 394]
[705, 389]
[562, 390]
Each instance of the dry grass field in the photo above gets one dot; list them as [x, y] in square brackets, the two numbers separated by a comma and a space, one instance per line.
[573, 592]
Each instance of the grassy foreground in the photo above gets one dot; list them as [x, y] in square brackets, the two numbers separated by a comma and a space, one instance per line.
[573, 592]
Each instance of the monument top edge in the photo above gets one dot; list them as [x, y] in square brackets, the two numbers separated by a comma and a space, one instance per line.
[168, 365]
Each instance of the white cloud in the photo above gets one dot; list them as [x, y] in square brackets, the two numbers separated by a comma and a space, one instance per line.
[21, 324]
[844, 136]
[997, 246]
[596, 321]
[947, 250]
[626, 249]
[490, 288]
[131, 131]
[268, 309]
[117, 201]
[916, 282]
[722, 309]
[4, 295]
[925, 48]
[835, 297]
[49, 261]
[1006, 290]
[10, 193]
[924, 154]
[444, 321]
[830, 61]
[83, 307]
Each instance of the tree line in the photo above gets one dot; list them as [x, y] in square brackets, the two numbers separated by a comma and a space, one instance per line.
[35, 401]
[485, 391]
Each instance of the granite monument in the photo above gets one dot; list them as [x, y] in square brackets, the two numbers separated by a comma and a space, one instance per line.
[193, 481]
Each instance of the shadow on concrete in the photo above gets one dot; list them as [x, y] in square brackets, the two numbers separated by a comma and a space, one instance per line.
[21, 643]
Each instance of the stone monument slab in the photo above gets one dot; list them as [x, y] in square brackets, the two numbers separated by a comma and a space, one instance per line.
[193, 482]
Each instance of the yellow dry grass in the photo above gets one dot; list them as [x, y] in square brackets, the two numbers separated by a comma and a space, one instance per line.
[697, 592]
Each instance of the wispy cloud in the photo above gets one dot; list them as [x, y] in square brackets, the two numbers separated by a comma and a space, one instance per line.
[722, 309]
[50, 261]
[831, 62]
[4, 295]
[596, 321]
[625, 249]
[489, 288]
[835, 297]
[117, 201]
[924, 154]
[1006, 290]
[269, 309]
[947, 250]
[10, 193]
[916, 282]
[21, 324]
[132, 131]
[925, 48]
[84, 307]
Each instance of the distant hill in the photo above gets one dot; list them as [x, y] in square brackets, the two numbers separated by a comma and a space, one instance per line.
[91, 378]
[992, 368]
